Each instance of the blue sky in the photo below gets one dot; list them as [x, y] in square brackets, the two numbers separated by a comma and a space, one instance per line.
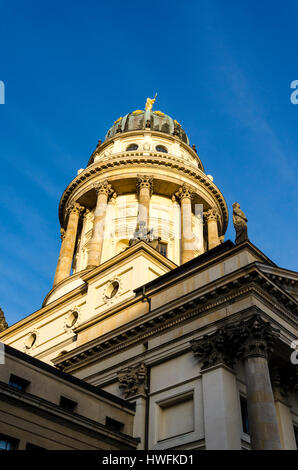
[222, 68]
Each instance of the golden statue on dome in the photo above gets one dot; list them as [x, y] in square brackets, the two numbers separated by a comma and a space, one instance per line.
[150, 102]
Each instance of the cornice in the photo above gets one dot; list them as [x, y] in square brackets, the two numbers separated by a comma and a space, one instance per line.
[207, 298]
[134, 160]
[280, 275]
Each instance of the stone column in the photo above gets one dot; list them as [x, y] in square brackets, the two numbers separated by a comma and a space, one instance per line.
[222, 422]
[185, 195]
[68, 243]
[145, 187]
[103, 191]
[211, 218]
[283, 383]
[133, 383]
[82, 251]
[255, 339]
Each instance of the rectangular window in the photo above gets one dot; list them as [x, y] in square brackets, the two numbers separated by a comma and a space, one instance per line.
[162, 248]
[170, 424]
[114, 425]
[244, 415]
[8, 443]
[18, 382]
[67, 404]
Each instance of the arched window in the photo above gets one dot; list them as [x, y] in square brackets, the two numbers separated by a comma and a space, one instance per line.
[132, 147]
[161, 148]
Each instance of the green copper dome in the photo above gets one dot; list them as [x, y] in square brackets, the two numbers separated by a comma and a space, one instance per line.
[153, 120]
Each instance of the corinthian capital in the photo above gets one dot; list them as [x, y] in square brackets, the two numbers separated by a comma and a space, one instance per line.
[254, 337]
[104, 187]
[75, 208]
[86, 214]
[133, 380]
[214, 349]
[145, 181]
[184, 191]
[251, 337]
[211, 214]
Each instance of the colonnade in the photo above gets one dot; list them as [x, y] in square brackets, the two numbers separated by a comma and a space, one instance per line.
[104, 191]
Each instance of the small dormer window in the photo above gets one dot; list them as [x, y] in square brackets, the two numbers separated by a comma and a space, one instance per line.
[161, 148]
[132, 147]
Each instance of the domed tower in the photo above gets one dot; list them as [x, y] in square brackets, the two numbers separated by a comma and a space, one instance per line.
[143, 182]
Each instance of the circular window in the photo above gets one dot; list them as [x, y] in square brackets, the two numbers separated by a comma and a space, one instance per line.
[161, 148]
[30, 340]
[71, 319]
[112, 289]
[132, 147]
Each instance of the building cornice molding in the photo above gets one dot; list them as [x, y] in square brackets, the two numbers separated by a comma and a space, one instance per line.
[280, 275]
[200, 263]
[167, 317]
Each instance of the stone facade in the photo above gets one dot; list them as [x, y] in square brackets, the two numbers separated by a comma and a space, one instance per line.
[150, 303]
[41, 407]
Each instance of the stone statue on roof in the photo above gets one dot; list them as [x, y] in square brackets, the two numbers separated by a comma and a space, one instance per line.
[240, 224]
